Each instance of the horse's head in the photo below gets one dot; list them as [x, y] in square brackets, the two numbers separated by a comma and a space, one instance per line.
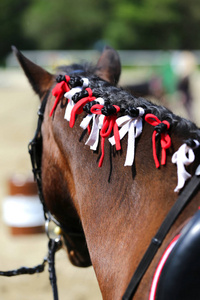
[98, 218]
[58, 165]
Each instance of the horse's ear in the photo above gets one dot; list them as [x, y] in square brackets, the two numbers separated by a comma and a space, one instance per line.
[40, 79]
[109, 66]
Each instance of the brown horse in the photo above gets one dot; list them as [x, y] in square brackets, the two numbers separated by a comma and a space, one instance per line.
[116, 218]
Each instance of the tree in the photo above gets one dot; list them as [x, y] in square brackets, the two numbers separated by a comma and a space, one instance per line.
[11, 30]
[154, 24]
[66, 25]
[78, 24]
[188, 27]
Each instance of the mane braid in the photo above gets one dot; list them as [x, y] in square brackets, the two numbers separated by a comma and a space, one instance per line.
[111, 110]
[118, 96]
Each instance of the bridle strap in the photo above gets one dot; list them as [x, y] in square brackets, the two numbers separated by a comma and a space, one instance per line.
[25, 270]
[53, 246]
[184, 198]
[35, 150]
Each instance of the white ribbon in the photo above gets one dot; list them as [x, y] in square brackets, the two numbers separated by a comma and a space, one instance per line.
[97, 124]
[93, 138]
[69, 96]
[85, 82]
[71, 103]
[181, 160]
[134, 128]
[86, 121]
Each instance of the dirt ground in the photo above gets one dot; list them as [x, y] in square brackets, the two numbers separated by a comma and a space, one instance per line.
[18, 107]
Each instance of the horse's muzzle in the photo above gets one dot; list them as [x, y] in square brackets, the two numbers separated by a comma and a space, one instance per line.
[77, 260]
[78, 253]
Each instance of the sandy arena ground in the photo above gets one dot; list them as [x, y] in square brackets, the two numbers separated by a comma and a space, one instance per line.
[18, 107]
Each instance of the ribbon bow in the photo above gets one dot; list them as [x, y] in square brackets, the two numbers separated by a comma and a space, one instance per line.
[69, 96]
[78, 107]
[182, 157]
[165, 138]
[97, 123]
[58, 91]
[71, 103]
[109, 123]
[134, 128]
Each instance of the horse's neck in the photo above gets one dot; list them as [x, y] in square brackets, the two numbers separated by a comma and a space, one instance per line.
[120, 218]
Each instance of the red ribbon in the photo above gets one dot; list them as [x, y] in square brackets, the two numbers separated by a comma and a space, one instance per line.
[165, 138]
[109, 123]
[58, 91]
[78, 107]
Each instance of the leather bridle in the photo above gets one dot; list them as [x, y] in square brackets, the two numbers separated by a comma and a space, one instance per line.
[54, 244]
[35, 151]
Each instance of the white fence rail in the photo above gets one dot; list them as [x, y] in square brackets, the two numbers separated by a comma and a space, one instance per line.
[52, 58]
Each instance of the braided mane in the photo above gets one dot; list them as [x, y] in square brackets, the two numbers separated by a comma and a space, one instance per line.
[119, 96]
[111, 110]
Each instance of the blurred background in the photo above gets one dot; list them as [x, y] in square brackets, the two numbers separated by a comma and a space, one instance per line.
[159, 46]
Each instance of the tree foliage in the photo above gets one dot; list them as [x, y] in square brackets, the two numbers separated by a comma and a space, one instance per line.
[155, 24]
[11, 29]
[66, 25]
[77, 24]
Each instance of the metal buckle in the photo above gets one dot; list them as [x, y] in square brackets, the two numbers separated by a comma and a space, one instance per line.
[52, 230]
